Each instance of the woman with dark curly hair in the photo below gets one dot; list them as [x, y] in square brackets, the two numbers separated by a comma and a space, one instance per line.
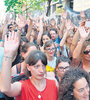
[75, 85]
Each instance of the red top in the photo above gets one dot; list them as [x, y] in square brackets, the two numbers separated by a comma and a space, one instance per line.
[29, 92]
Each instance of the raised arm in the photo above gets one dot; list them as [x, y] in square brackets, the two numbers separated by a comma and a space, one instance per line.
[82, 15]
[29, 28]
[83, 36]
[68, 28]
[40, 30]
[74, 41]
[10, 48]
[62, 26]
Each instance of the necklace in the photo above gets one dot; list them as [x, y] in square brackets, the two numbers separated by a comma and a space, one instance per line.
[39, 96]
[39, 91]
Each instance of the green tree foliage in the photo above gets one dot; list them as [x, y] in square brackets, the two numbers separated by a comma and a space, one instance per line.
[55, 0]
[16, 5]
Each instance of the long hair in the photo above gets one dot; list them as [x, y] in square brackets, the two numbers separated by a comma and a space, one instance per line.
[45, 33]
[69, 78]
[86, 43]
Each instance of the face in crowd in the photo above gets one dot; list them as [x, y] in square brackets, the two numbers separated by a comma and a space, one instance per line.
[69, 39]
[62, 68]
[81, 89]
[62, 65]
[49, 48]
[36, 64]
[75, 85]
[86, 53]
[45, 38]
[53, 34]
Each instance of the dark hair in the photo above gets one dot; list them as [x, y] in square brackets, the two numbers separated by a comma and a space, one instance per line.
[45, 33]
[24, 39]
[52, 19]
[48, 44]
[9, 26]
[69, 78]
[53, 29]
[62, 59]
[27, 45]
[35, 56]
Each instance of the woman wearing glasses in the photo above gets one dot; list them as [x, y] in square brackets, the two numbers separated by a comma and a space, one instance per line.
[75, 85]
[49, 49]
[62, 65]
[81, 54]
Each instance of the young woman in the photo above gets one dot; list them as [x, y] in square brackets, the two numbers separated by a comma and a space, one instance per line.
[49, 49]
[67, 39]
[36, 87]
[81, 54]
[62, 65]
[75, 85]
[45, 37]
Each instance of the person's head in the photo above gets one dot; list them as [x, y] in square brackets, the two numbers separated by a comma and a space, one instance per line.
[36, 64]
[45, 37]
[53, 33]
[62, 65]
[23, 40]
[27, 48]
[69, 37]
[10, 27]
[75, 85]
[49, 48]
[85, 52]
[52, 23]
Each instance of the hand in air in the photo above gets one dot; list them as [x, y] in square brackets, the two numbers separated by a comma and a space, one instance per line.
[11, 44]
[83, 33]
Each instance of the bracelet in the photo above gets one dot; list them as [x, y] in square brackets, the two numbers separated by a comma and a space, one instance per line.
[8, 57]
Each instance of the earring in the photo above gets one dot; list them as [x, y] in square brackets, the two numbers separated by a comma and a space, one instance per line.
[71, 93]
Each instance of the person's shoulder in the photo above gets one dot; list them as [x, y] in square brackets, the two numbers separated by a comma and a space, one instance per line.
[50, 81]
[25, 81]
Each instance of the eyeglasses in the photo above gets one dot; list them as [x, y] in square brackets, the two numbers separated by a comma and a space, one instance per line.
[63, 68]
[86, 52]
[52, 49]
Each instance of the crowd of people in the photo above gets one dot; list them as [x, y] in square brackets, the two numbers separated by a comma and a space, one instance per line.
[40, 60]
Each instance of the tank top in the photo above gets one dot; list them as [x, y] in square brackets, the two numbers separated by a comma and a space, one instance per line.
[29, 92]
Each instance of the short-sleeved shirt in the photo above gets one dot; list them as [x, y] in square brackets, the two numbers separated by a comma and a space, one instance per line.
[57, 40]
[29, 92]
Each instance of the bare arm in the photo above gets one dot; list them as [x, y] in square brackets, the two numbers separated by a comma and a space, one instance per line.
[83, 37]
[68, 28]
[74, 41]
[40, 31]
[10, 48]
[63, 20]
[29, 29]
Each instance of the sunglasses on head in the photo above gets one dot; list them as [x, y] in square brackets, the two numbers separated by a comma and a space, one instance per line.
[86, 52]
